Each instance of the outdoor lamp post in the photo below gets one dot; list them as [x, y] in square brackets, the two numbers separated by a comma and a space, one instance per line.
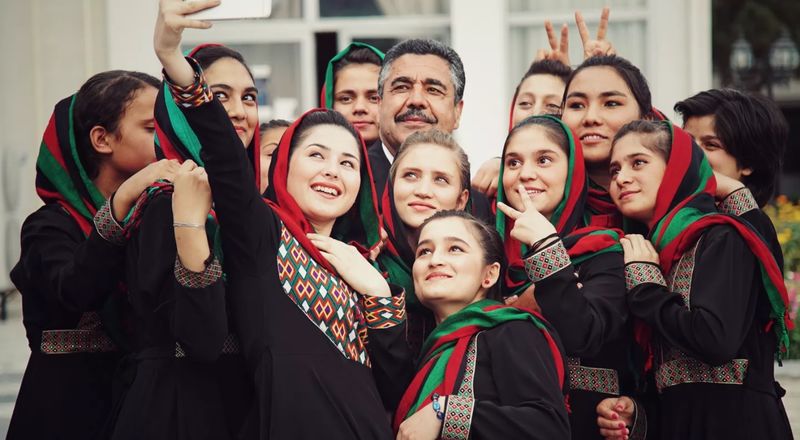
[783, 58]
[779, 67]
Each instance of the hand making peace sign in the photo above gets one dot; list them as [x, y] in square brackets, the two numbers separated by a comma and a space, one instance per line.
[599, 46]
[530, 225]
[559, 50]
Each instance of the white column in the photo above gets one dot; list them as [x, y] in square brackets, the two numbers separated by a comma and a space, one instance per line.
[480, 36]
[678, 51]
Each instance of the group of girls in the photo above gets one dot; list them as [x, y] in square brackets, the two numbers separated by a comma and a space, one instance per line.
[191, 276]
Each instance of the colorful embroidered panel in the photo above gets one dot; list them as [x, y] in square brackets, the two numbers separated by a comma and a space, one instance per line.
[677, 367]
[381, 312]
[89, 337]
[688, 370]
[107, 227]
[458, 414]
[546, 262]
[598, 380]
[639, 273]
[326, 300]
[738, 202]
[197, 280]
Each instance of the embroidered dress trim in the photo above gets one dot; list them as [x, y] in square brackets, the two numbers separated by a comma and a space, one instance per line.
[457, 417]
[230, 346]
[107, 226]
[324, 298]
[193, 95]
[639, 273]
[738, 202]
[381, 312]
[598, 380]
[89, 337]
[197, 280]
[458, 414]
[547, 261]
[687, 370]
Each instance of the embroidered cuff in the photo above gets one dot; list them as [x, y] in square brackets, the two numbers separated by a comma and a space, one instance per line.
[639, 429]
[193, 95]
[107, 226]
[382, 312]
[457, 417]
[738, 202]
[547, 261]
[197, 280]
[639, 272]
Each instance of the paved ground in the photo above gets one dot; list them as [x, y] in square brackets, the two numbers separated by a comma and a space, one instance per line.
[14, 356]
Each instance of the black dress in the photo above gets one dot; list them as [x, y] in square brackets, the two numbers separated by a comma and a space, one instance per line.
[187, 381]
[301, 329]
[66, 390]
[515, 392]
[714, 358]
[592, 322]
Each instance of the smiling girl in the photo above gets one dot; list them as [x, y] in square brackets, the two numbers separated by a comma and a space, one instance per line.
[577, 271]
[303, 300]
[707, 286]
[487, 370]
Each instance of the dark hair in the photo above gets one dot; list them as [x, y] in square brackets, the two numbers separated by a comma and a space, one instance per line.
[628, 72]
[657, 139]
[102, 101]
[547, 67]
[426, 47]
[489, 239]
[358, 55]
[273, 123]
[323, 117]
[208, 55]
[751, 128]
[554, 130]
[441, 139]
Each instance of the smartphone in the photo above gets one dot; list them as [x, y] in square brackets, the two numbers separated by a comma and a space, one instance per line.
[235, 10]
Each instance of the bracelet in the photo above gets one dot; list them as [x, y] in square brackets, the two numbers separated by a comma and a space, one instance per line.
[437, 407]
[188, 225]
[538, 244]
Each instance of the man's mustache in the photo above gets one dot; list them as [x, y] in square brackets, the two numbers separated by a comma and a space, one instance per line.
[416, 114]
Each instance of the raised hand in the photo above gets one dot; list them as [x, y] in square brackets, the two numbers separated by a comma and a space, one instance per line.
[559, 50]
[129, 191]
[170, 24]
[354, 269]
[637, 248]
[485, 179]
[530, 225]
[614, 415]
[599, 46]
[191, 200]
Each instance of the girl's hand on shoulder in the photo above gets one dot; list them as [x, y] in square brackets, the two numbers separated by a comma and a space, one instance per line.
[530, 225]
[637, 248]
[353, 268]
[133, 186]
[191, 200]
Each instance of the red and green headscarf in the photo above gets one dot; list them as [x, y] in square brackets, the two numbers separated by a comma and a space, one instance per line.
[685, 209]
[600, 207]
[582, 242]
[327, 92]
[60, 176]
[445, 349]
[175, 139]
[360, 226]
